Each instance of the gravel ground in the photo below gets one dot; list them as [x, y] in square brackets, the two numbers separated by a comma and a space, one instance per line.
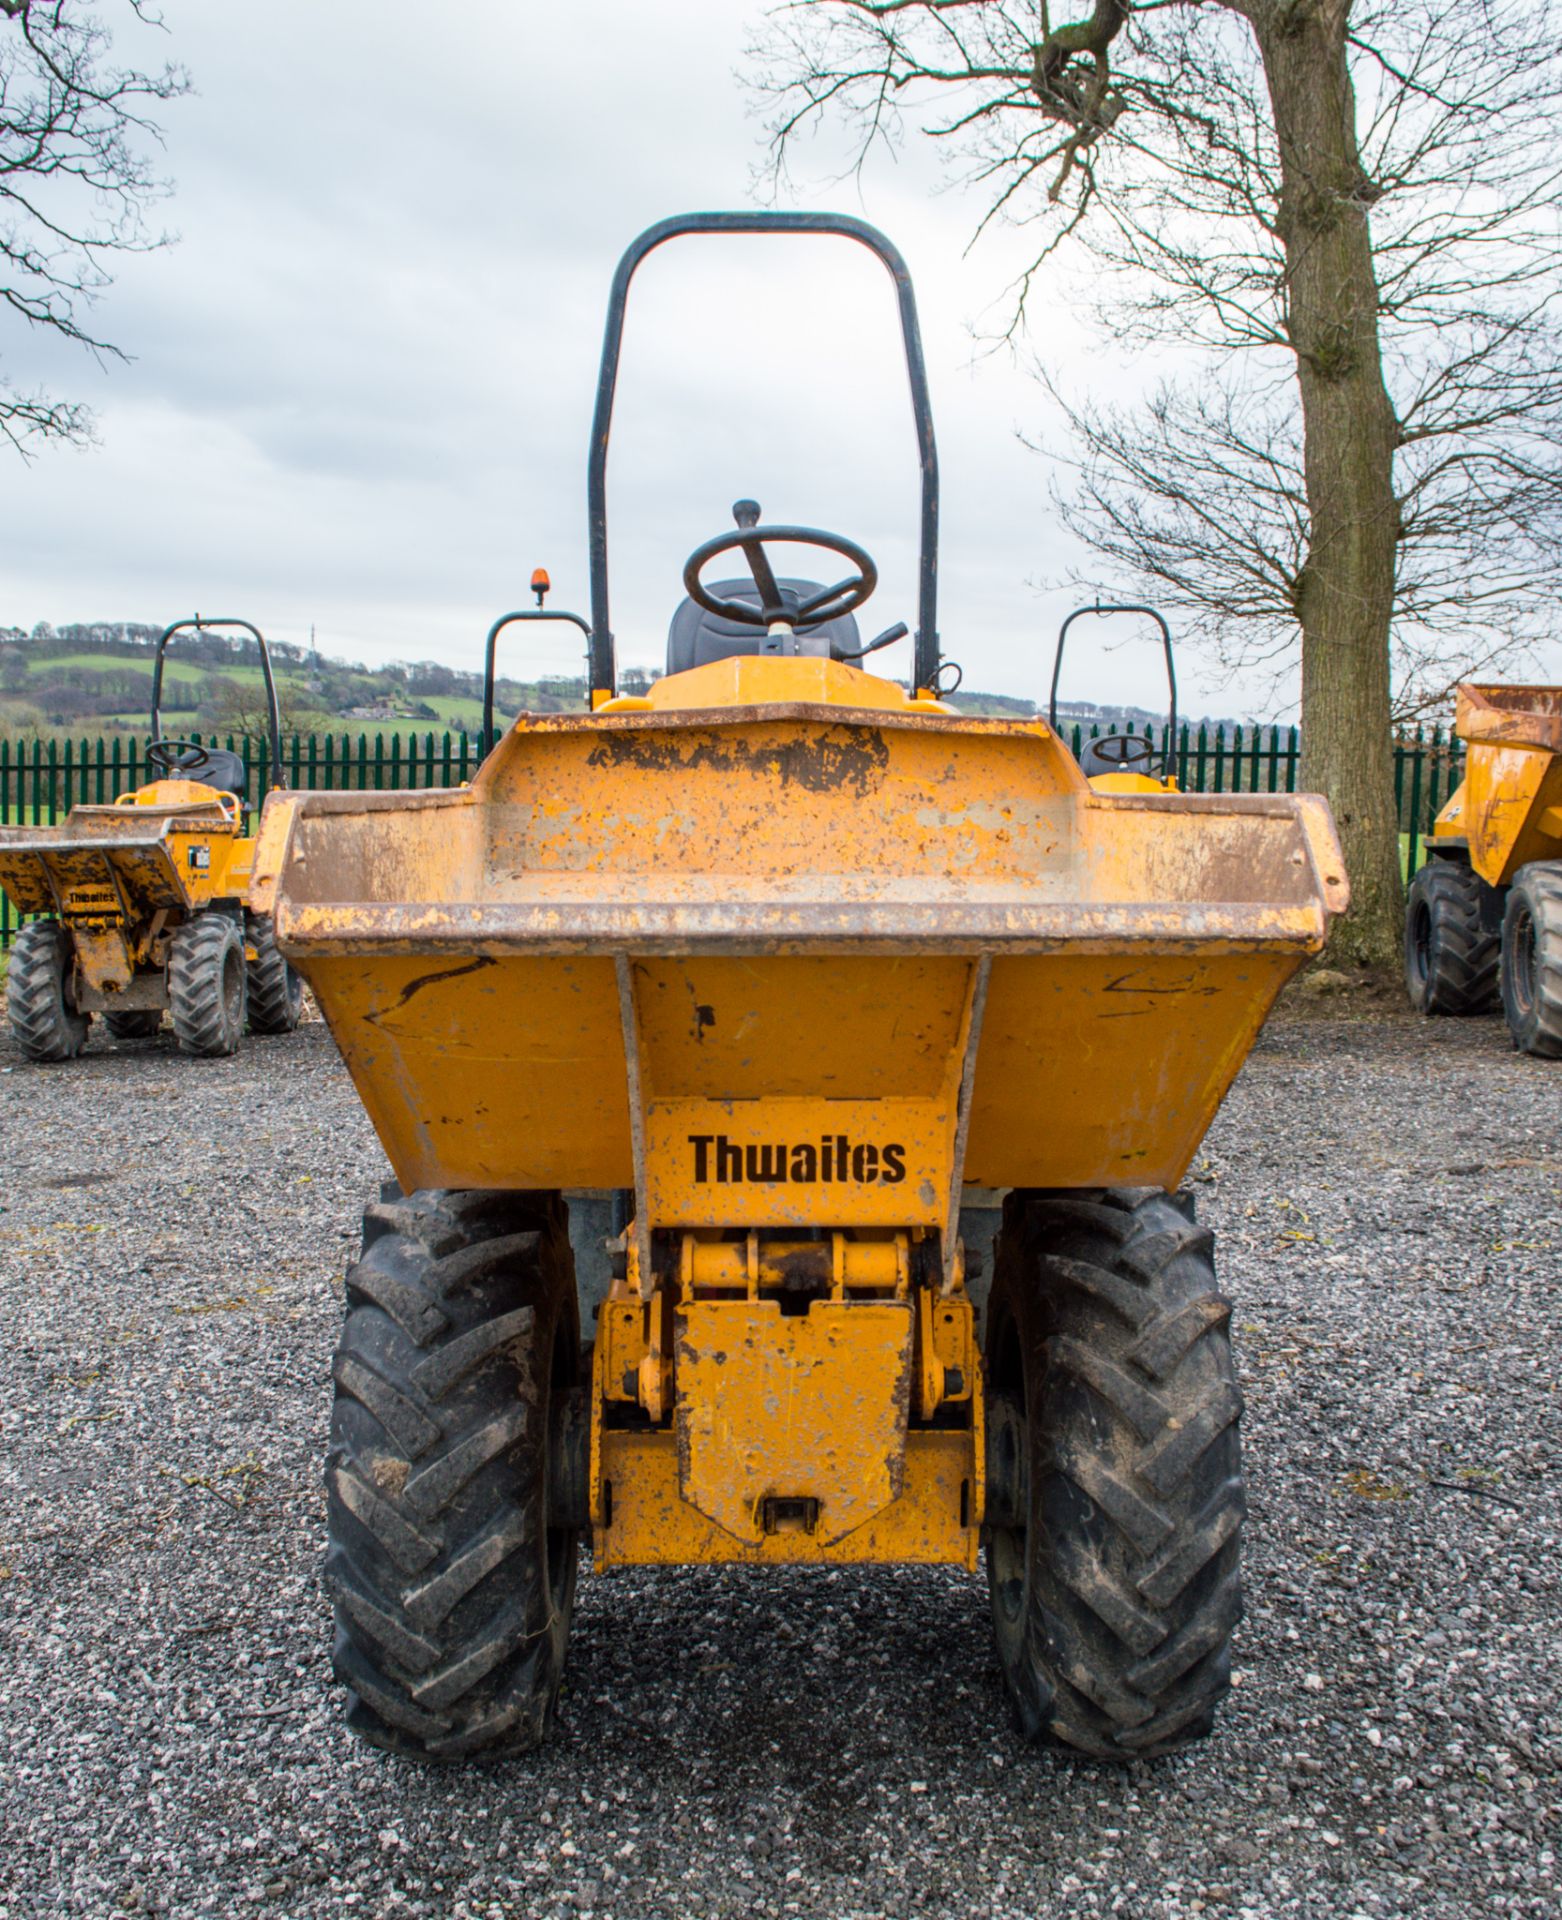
[1388, 1197]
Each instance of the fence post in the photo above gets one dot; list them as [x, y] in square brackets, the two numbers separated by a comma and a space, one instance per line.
[1434, 775]
[1411, 862]
[1400, 756]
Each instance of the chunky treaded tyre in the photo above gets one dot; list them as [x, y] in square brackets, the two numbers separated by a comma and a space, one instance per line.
[1452, 949]
[1115, 1505]
[206, 985]
[276, 993]
[141, 1023]
[453, 1583]
[39, 995]
[1532, 959]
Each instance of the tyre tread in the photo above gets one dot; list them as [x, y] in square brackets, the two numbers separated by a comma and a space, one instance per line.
[1133, 1588]
[275, 999]
[1466, 951]
[1540, 884]
[196, 963]
[43, 1024]
[449, 1638]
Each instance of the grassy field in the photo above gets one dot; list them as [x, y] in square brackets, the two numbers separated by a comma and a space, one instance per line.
[453, 711]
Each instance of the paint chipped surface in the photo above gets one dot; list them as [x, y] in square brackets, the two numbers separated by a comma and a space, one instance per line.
[798, 893]
[802, 1408]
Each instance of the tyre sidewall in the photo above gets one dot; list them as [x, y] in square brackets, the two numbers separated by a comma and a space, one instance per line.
[1070, 1678]
[207, 985]
[276, 991]
[1010, 1366]
[1451, 946]
[1531, 981]
[535, 1582]
[42, 948]
[1420, 933]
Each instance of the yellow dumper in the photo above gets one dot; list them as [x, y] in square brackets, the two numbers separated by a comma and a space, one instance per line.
[142, 905]
[1483, 919]
[800, 964]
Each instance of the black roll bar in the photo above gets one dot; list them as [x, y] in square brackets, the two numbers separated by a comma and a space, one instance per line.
[926, 659]
[273, 711]
[506, 620]
[1168, 756]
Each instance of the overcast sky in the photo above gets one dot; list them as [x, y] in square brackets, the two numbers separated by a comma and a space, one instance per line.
[363, 379]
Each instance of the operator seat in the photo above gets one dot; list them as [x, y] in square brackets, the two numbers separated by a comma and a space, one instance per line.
[222, 769]
[696, 637]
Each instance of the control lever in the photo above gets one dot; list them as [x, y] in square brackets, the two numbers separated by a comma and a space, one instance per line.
[886, 639]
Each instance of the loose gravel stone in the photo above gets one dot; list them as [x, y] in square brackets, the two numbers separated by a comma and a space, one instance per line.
[1387, 1196]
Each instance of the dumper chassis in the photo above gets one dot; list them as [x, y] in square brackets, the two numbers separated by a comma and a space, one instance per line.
[800, 970]
[141, 904]
[1483, 916]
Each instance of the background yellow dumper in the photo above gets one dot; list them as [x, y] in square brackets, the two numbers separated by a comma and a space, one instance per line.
[142, 905]
[796, 962]
[1483, 920]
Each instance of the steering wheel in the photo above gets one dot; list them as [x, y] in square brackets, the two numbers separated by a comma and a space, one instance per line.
[187, 757]
[829, 603]
[1122, 751]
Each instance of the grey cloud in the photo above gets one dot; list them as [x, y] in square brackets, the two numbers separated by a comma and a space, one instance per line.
[363, 380]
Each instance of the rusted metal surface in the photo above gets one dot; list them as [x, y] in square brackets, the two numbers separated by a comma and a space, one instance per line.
[1511, 716]
[1509, 805]
[821, 878]
[634, 1090]
[930, 1524]
[807, 1412]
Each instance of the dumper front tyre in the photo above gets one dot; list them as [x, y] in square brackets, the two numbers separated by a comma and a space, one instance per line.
[40, 994]
[1115, 1503]
[1452, 944]
[276, 993]
[206, 989]
[1532, 960]
[454, 1580]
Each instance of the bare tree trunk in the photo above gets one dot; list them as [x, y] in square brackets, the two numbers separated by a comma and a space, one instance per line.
[1346, 593]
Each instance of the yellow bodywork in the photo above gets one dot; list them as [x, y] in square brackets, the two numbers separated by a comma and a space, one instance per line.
[1509, 805]
[796, 959]
[121, 878]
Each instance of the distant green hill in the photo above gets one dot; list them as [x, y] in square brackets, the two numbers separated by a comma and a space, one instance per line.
[97, 678]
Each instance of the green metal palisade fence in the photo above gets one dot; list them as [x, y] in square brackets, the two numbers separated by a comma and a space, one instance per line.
[41, 780]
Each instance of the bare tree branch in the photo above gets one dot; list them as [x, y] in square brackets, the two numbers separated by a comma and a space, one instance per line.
[1460, 115]
[76, 184]
[1341, 219]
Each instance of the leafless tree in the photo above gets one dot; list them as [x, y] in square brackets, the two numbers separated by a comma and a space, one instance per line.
[76, 185]
[239, 707]
[1344, 212]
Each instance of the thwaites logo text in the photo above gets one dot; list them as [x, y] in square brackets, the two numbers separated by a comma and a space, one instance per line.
[833, 1158]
